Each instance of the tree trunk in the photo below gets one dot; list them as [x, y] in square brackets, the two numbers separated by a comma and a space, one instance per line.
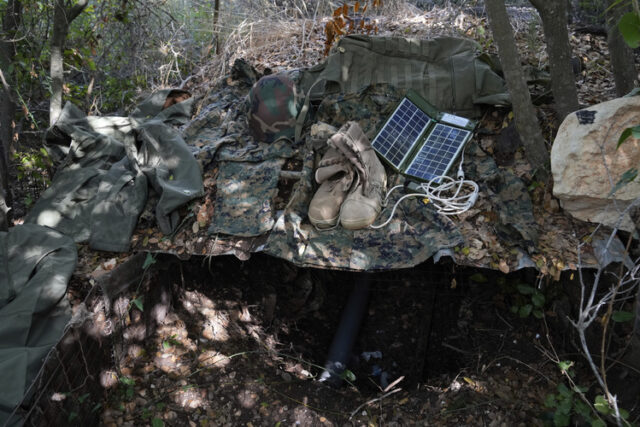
[556, 34]
[63, 15]
[10, 23]
[524, 113]
[622, 57]
[216, 29]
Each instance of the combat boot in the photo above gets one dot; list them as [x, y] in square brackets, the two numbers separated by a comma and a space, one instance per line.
[363, 204]
[335, 176]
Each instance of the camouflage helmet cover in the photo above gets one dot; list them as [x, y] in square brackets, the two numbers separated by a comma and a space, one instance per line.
[274, 104]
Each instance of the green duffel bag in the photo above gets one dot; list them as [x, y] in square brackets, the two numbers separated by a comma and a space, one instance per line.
[451, 73]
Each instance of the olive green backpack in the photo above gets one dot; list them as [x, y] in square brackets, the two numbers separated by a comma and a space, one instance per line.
[450, 73]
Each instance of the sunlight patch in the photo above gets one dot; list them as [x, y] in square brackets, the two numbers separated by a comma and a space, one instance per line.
[190, 397]
[50, 218]
[213, 359]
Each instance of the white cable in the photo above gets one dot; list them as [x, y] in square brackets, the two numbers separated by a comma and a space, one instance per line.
[440, 195]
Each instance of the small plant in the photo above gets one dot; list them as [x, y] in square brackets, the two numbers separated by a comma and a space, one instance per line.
[128, 384]
[568, 405]
[529, 301]
[170, 342]
[33, 165]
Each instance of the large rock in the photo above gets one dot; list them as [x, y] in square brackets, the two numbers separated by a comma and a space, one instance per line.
[586, 165]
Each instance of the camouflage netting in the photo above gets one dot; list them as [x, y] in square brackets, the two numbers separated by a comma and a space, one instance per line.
[257, 196]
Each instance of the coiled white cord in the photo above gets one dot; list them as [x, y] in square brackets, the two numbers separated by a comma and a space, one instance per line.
[450, 197]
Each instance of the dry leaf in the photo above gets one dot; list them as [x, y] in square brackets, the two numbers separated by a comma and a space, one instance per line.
[503, 266]
[109, 265]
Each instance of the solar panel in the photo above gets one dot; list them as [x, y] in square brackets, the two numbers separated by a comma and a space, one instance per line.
[440, 150]
[420, 141]
[401, 132]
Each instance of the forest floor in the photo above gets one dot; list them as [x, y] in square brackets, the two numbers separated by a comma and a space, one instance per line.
[243, 342]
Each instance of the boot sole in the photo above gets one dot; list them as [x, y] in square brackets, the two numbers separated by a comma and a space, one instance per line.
[323, 223]
[356, 224]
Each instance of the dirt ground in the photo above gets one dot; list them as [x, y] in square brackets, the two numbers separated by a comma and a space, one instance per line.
[225, 342]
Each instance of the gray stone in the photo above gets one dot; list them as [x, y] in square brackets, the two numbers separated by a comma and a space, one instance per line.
[586, 164]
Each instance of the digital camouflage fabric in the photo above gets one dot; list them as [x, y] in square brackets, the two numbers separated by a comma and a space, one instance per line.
[246, 172]
[274, 104]
[509, 197]
[245, 194]
[415, 234]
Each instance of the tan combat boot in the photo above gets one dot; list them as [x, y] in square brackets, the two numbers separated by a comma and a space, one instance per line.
[363, 204]
[335, 176]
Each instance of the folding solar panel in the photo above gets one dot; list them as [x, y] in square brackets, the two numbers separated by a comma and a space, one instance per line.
[419, 141]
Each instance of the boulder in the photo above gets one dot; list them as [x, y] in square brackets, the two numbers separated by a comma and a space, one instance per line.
[586, 164]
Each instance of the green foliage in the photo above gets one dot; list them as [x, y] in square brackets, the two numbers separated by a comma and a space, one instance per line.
[148, 261]
[348, 375]
[528, 300]
[622, 316]
[602, 406]
[635, 131]
[569, 408]
[112, 54]
[137, 302]
[629, 27]
[33, 166]
[170, 342]
[627, 177]
[128, 387]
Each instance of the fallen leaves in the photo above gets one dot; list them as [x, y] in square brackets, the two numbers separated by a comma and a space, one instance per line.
[343, 22]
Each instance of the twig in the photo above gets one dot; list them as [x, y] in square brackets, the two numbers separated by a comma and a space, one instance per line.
[513, 359]
[502, 318]
[459, 350]
[369, 402]
[393, 384]
[6, 87]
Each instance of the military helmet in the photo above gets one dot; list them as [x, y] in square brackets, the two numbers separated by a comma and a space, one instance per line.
[274, 104]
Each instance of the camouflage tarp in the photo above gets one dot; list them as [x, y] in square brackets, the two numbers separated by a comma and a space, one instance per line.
[417, 232]
[504, 230]
[245, 173]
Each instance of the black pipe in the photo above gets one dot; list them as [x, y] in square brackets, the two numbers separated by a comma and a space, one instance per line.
[345, 337]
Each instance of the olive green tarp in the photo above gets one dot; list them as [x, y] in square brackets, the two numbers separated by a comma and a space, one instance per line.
[35, 266]
[102, 186]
